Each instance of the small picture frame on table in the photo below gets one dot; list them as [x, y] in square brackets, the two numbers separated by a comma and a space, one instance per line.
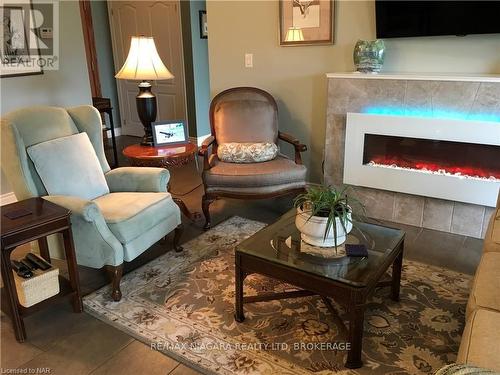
[169, 133]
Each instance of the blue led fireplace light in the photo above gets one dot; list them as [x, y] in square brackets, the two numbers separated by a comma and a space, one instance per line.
[442, 114]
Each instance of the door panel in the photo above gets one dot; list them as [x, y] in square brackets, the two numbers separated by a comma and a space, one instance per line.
[168, 105]
[160, 19]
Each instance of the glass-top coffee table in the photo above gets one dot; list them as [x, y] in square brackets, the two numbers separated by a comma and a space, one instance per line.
[277, 252]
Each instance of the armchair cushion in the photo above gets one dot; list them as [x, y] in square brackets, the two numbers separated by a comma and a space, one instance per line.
[69, 166]
[245, 121]
[247, 152]
[135, 179]
[280, 171]
[128, 215]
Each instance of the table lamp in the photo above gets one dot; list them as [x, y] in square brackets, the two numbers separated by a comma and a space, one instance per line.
[144, 64]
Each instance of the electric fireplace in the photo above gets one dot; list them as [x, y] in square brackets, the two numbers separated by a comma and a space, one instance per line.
[460, 159]
[442, 158]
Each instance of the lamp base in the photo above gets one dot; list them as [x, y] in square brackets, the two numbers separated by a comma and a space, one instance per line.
[146, 109]
[147, 140]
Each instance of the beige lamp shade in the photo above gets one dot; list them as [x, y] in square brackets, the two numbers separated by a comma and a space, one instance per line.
[294, 34]
[143, 62]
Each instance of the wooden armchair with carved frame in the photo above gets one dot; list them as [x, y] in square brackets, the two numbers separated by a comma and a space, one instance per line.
[248, 115]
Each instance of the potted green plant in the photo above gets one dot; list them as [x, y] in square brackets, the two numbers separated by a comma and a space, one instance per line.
[324, 215]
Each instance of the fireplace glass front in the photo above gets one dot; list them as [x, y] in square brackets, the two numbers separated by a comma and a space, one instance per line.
[466, 160]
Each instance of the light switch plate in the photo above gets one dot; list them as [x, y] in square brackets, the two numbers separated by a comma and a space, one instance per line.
[248, 60]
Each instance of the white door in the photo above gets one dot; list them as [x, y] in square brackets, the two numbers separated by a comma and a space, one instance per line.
[162, 20]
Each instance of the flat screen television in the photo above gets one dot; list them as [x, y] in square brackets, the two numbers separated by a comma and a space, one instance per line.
[397, 19]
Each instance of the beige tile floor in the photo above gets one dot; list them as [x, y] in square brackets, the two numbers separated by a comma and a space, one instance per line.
[73, 344]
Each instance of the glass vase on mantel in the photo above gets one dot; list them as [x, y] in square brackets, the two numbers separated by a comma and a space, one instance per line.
[369, 55]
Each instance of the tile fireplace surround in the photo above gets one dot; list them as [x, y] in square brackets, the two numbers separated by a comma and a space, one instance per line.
[467, 96]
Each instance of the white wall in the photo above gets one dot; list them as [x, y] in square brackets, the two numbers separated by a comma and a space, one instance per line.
[68, 86]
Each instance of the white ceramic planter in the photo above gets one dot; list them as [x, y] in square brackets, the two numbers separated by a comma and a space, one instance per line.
[312, 230]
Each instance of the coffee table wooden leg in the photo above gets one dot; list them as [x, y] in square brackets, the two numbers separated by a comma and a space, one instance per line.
[356, 319]
[10, 288]
[69, 249]
[239, 279]
[397, 267]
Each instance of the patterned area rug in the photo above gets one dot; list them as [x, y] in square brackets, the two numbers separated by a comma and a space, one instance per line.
[182, 305]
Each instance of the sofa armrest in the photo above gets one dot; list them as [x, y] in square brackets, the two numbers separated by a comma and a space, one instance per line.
[88, 210]
[138, 179]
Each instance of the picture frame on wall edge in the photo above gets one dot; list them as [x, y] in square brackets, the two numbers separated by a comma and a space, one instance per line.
[170, 133]
[306, 22]
[16, 55]
[203, 24]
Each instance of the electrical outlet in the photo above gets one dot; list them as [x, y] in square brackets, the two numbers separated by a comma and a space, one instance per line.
[248, 60]
[46, 33]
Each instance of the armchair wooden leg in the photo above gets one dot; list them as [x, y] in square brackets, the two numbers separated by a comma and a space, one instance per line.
[177, 236]
[115, 274]
[205, 204]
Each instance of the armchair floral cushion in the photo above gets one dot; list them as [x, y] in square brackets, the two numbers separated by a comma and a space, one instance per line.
[247, 152]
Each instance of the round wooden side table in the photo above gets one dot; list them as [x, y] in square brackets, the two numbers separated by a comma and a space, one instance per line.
[161, 156]
[164, 157]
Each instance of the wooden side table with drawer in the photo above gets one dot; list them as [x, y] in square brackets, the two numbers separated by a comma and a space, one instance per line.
[39, 219]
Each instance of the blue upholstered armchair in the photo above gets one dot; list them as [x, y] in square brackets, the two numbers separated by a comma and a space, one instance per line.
[116, 215]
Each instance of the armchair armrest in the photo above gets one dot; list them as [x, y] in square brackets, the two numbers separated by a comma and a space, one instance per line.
[95, 244]
[88, 210]
[204, 151]
[138, 179]
[299, 147]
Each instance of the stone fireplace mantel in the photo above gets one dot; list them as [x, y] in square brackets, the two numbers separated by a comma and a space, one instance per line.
[419, 76]
[465, 96]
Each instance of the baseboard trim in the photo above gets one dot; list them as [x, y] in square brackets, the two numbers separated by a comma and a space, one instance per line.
[199, 140]
[7, 198]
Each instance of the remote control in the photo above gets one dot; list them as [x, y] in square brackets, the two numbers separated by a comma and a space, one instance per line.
[42, 264]
[21, 269]
[28, 263]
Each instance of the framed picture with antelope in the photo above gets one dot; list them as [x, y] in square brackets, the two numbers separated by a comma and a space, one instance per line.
[306, 22]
